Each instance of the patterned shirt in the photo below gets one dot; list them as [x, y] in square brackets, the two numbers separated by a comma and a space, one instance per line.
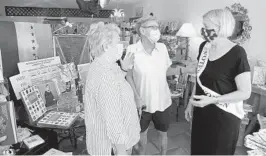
[110, 110]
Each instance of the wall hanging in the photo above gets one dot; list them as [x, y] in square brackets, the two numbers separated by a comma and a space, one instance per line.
[243, 28]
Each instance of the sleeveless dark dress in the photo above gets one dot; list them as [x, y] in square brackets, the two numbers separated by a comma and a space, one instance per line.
[215, 131]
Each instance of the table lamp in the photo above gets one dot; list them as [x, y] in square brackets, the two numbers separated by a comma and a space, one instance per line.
[186, 31]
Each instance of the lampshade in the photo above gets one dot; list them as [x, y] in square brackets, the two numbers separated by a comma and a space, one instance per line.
[187, 30]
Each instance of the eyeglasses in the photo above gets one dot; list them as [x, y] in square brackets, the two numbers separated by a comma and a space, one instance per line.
[152, 27]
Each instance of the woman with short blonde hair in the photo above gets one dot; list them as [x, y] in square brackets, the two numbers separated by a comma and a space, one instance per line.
[101, 34]
[111, 117]
[223, 82]
[222, 21]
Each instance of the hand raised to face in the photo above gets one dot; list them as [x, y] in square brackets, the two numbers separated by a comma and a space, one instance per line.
[128, 61]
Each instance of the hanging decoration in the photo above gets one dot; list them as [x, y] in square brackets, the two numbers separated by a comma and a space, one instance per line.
[243, 27]
[104, 3]
[117, 16]
[80, 28]
[92, 6]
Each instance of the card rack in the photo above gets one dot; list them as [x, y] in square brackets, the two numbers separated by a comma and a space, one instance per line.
[33, 102]
[61, 120]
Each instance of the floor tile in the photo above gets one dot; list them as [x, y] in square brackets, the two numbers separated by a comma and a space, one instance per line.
[152, 134]
[151, 126]
[181, 141]
[177, 151]
[241, 151]
[178, 139]
[181, 113]
[151, 149]
[188, 133]
[170, 145]
[178, 128]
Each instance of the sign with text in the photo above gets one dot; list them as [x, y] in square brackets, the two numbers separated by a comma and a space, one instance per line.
[40, 70]
[19, 83]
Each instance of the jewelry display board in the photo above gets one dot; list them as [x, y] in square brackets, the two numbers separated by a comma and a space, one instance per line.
[37, 112]
[58, 119]
[34, 104]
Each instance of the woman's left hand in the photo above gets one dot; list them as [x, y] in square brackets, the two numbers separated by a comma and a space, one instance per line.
[127, 62]
[3, 138]
[3, 148]
[202, 100]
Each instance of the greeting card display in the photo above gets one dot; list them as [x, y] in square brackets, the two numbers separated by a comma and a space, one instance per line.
[37, 111]
[19, 83]
[68, 72]
[58, 119]
[34, 104]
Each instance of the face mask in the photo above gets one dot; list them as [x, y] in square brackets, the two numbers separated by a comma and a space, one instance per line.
[114, 52]
[153, 36]
[208, 34]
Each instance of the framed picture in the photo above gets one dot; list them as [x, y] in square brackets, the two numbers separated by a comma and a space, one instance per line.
[50, 93]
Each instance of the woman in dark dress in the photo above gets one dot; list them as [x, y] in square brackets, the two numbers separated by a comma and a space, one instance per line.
[223, 82]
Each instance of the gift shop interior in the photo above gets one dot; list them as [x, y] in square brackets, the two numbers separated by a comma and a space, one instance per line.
[52, 76]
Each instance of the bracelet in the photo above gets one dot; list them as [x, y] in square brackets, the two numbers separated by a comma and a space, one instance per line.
[216, 100]
[123, 70]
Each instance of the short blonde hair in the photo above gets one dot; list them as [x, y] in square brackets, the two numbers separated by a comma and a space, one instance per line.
[222, 21]
[143, 21]
[100, 34]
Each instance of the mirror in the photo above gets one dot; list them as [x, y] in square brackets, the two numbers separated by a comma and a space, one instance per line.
[242, 27]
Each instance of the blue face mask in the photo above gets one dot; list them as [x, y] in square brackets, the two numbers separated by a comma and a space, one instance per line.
[208, 34]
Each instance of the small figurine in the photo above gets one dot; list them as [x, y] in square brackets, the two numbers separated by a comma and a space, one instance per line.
[79, 92]
[68, 86]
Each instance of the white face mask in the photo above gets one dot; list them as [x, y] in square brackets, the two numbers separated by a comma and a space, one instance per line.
[154, 36]
[115, 52]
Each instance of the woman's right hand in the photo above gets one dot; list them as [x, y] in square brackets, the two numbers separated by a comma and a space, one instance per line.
[124, 152]
[120, 150]
[189, 111]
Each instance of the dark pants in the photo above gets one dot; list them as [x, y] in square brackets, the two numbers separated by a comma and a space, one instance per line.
[214, 131]
[161, 120]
